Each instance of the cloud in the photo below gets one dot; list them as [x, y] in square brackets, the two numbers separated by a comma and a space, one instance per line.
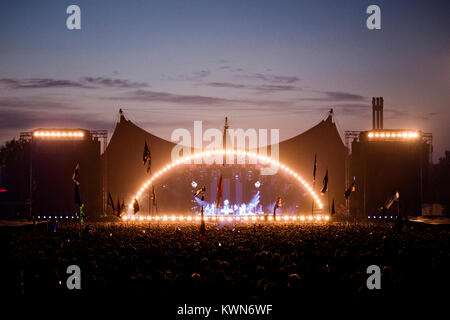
[149, 96]
[333, 96]
[272, 78]
[226, 85]
[195, 76]
[31, 119]
[42, 83]
[231, 68]
[83, 83]
[259, 88]
[344, 96]
[30, 103]
[113, 83]
[355, 109]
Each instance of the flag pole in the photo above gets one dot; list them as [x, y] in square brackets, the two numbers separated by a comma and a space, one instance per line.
[329, 203]
[314, 181]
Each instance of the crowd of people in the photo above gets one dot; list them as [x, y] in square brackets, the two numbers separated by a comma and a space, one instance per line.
[246, 262]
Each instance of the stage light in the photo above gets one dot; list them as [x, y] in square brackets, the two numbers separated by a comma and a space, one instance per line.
[188, 159]
[253, 218]
[286, 218]
[270, 218]
[58, 133]
[302, 218]
[221, 218]
[257, 184]
[197, 218]
[165, 218]
[189, 218]
[245, 218]
[327, 218]
[310, 218]
[133, 218]
[230, 219]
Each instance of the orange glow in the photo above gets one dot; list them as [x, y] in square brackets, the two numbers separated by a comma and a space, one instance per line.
[188, 159]
[58, 133]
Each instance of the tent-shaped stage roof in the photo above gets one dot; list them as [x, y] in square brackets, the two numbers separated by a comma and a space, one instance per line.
[124, 172]
[324, 139]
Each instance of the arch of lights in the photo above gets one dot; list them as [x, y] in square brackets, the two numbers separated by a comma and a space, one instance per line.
[250, 155]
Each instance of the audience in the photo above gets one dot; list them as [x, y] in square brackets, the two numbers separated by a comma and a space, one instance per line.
[247, 264]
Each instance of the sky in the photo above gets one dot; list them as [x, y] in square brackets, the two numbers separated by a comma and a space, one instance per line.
[264, 64]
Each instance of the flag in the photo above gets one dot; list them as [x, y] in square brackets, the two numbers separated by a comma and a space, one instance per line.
[350, 189]
[76, 185]
[315, 167]
[277, 205]
[219, 192]
[110, 201]
[333, 209]
[76, 174]
[147, 157]
[154, 201]
[224, 140]
[325, 183]
[122, 207]
[136, 206]
[117, 211]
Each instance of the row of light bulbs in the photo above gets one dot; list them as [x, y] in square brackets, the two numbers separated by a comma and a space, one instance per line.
[229, 219]
[54, 133]
[262, 159]
[404, 134]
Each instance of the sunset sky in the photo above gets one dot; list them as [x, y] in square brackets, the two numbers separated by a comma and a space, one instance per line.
[264, 64]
